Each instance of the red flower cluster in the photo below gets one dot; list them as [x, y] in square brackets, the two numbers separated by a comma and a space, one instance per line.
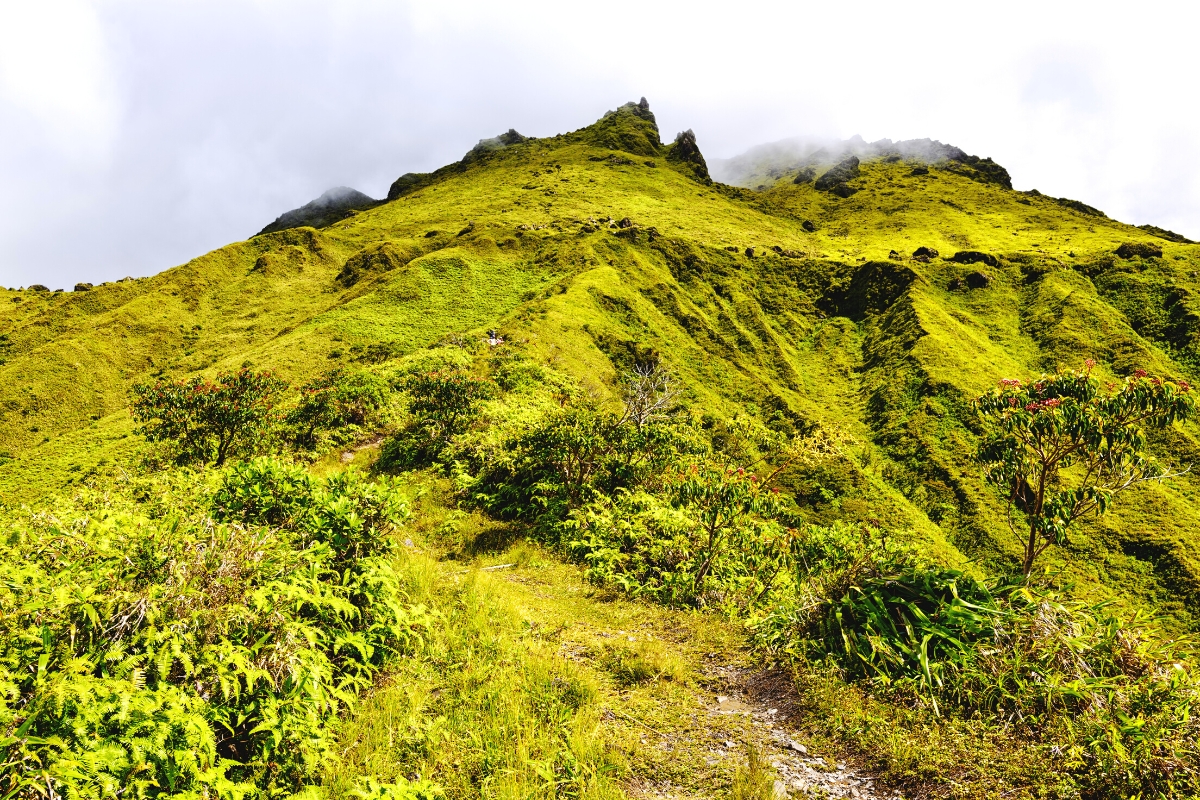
[1010, 382]
[1139, 373]
[1038, 405]
[1184, 386]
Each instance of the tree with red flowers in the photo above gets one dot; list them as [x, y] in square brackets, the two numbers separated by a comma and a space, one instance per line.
[209, 420]
[1062, 447]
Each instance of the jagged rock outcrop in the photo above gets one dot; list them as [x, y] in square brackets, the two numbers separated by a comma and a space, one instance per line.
[844, 170]
[332, 206]
[495, 143]
[632, 128]
[686, 151]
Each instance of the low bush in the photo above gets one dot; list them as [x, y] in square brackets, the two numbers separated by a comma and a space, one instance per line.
[335, 407]
[1112, 697]
[200, 421]
[203, 649]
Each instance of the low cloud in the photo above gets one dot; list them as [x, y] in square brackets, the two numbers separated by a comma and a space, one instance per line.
[137, 135]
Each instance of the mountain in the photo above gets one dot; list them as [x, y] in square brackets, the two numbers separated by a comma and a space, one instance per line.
[334, 205]
[878, 296]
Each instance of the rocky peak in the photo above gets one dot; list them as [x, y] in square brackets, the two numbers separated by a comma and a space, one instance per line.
[332, 206]
[686, 151]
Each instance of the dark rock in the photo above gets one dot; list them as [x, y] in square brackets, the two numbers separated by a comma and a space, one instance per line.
[749, 252]
[894, 256]
[732, 249]
[892, 159]
[630, 129]
[777, 249]
[975, 257]
[978, 280]
[920, 171]
[470, 227]
[1163, 233]
[333, 206]
[642, 110]
[955, 284]
[846, 169]
[808, 226]
[979, 169]
[686, 151]
[925, 252]
[805, 176]
[1140, 249]
[843, 190]
[625, 223]
[431, 234]
[37, 287]
[82, 287]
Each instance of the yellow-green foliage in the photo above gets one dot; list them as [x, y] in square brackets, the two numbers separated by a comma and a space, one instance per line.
[825, 331]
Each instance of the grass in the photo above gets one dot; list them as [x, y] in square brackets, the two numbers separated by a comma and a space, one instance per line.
[537, 685]
[828, 332]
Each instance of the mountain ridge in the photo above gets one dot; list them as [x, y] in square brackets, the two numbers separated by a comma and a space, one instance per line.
[866, 312]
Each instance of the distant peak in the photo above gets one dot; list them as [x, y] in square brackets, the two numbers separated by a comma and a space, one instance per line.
[339, 196]
[333, 205]
[506, 139]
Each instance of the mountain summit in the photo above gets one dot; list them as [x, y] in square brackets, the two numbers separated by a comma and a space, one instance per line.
[330, 207]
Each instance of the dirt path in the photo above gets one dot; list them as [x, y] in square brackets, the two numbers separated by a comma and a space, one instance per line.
[688, 731]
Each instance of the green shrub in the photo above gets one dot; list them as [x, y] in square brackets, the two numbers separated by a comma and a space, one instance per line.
[713, 539]
[336, 404]
[205, 421]
[180, 654]
[570, 458]
[1110, 696]
[443, 404]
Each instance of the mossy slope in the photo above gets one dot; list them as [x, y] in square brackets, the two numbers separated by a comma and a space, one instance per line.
[802, 303]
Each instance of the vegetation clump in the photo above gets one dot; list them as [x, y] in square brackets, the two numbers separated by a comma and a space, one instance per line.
[1059, 448]
[196, 643]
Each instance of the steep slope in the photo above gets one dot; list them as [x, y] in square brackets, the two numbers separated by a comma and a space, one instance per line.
[815, 306]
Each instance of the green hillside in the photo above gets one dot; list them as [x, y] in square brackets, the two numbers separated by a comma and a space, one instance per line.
[811, 307]
[820, 325]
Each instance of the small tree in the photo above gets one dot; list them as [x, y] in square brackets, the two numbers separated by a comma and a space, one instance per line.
[335, 399]
[648, 393]
[446, 402]
[1061, 448]
[209, 420]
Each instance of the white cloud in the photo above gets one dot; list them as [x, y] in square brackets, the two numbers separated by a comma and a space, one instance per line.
[55, 75]
[150, 132]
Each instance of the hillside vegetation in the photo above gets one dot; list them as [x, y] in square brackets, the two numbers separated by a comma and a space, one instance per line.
[850, 301]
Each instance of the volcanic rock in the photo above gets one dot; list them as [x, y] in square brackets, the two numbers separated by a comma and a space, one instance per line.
[975, 257]
[846, 170]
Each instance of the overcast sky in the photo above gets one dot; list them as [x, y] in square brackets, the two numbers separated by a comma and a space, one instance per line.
[137, 135]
